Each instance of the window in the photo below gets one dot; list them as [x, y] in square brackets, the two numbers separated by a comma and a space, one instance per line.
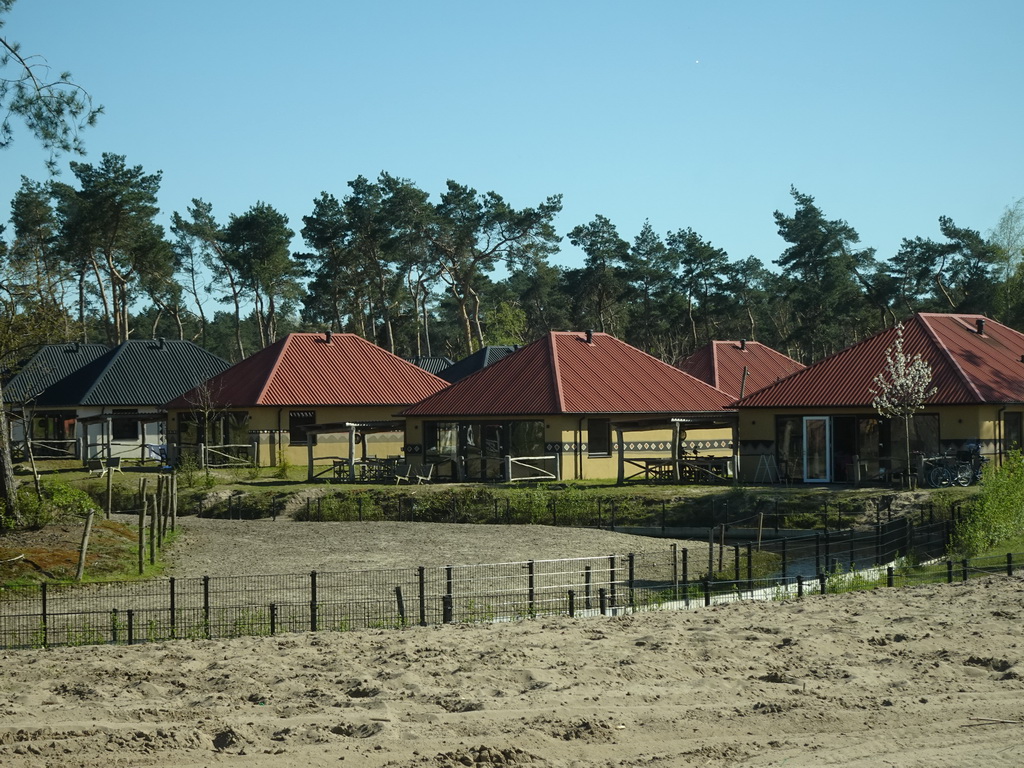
[1012, 431]
[124, 429]
[297, 423]
[441, 438]
[599, 437]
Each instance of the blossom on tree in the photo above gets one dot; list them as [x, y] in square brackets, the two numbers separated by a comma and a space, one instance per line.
[902, 386]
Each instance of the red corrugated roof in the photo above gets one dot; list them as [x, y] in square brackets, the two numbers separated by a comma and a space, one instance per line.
[306, 369]
[721, 364]
[967, 366]
[563, 373]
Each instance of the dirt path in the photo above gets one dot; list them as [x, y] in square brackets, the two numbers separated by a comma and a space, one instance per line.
[209, 547]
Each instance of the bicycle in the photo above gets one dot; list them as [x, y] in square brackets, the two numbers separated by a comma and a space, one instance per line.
[948, 470]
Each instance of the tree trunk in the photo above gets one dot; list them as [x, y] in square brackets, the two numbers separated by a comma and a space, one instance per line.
[8, 485]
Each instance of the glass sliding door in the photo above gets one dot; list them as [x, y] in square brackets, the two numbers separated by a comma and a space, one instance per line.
[817, 449]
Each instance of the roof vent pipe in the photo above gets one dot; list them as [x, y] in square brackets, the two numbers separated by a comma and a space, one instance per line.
[590, 337]
[328, 336]
[743, 343]
[161, 343]
[981, 325]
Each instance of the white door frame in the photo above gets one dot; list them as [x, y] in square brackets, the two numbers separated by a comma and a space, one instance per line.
[827, 421]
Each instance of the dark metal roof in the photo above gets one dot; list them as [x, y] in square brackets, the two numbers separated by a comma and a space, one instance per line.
[432, 365]
[47, 369]
[968, 366]
[150, 372]
[307, 369]
[722, 363]
[564, 373]
[477, 361]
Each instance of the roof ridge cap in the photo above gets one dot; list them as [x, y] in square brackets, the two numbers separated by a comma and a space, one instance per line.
[714, 364]
[964, 378]
[113, 352]
[285, 343]
[556, 372]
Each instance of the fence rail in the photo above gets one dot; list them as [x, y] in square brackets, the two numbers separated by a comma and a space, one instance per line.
[215, 607]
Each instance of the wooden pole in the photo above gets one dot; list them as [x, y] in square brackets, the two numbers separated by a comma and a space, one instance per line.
[110, 491]
[142, 531]
[85, 546]
[152, 533]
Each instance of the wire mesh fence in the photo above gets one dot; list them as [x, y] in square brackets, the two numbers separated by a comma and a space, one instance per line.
[220, 607]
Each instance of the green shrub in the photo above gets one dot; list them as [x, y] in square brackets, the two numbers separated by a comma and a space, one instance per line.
[998, 511]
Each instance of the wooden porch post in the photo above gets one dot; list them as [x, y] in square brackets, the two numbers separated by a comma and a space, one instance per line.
[622, 455]
[309, 455]
[352, 453]
[676, 475]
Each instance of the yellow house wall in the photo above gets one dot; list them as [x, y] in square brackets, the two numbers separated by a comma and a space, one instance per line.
[957, 425]
[269, 428]
[568, 432]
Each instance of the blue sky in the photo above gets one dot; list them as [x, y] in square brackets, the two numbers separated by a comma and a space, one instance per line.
[689, 114]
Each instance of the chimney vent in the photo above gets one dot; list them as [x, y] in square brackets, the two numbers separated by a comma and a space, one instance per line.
[981, 326]
[590, 337]
[161, 345]
[743, 343]
[328, 336]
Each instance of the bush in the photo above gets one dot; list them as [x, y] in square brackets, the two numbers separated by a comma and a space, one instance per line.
[998, 512]
[60, 502]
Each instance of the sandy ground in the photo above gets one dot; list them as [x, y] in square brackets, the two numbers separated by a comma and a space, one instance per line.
[924, 676]
[233, 547]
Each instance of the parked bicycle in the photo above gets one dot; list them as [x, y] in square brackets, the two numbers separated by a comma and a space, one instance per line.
[955, 467]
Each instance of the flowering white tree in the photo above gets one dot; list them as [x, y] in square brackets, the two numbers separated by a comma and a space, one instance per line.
[902, 386]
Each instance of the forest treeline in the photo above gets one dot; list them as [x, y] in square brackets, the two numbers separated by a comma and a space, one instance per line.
[443, 274]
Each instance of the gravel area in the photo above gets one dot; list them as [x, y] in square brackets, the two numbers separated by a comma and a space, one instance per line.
[208, 547]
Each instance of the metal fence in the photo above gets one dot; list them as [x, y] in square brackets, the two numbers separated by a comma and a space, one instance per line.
[217, 607]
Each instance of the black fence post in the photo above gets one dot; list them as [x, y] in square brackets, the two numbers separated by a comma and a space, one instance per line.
[785, 558]
[878, 543]
[964, 564]
[572, 604]
[799, 585]
[707, 591]
[401, 605]
[750, 566]
[602, 601]
[131, 627]
[206, 607]
[675, 571]
[632, 580]
[822, 584]
[531, 592]
[44, 619]
[686, 573]
[312, 601]
[448, 580]
[174, 612]
[273, 618]
[113, 625]
[817, 553]
[587, 579]
[949, 571]
[423, 595]
[1009, 564]
[890, 576]
[447, 616]
[736, 561]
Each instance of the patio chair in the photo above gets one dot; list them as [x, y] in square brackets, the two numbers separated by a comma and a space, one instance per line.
[424, 477]
[96, 467]
[114, 464]
[403, 474]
